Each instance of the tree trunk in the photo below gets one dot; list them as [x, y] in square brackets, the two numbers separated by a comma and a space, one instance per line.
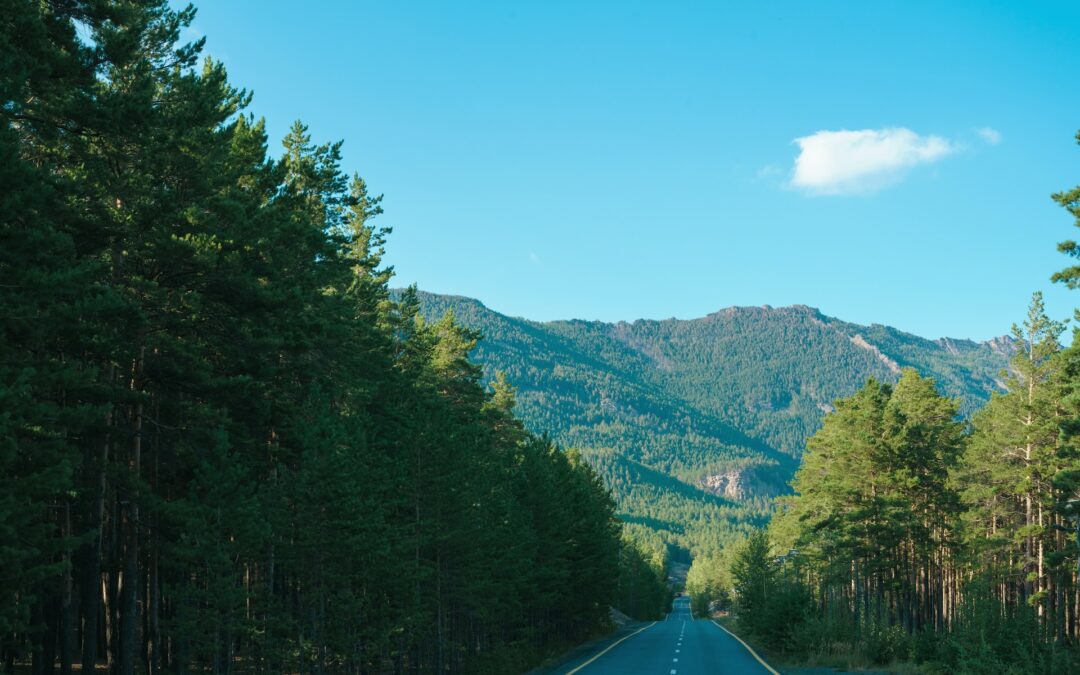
[91, 603]
[153, 656]
[66, 620]
[48, 641]
[37, 642]
[130, 593]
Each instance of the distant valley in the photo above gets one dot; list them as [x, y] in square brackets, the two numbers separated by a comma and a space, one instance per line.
[695, 424]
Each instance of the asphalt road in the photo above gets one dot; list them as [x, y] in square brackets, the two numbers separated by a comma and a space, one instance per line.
[679, 645]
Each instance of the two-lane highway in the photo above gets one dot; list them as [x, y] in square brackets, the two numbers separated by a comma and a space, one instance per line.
[678, 645]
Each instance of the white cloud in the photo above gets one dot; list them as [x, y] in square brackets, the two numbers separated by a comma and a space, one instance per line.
[862, 161]
[533, 258]
[991, 136]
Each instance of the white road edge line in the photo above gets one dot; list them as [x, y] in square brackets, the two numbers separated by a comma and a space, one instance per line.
[613, 645]
[748, 648]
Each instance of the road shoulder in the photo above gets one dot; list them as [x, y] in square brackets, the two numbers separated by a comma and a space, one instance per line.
[585, 651]
[747, 647]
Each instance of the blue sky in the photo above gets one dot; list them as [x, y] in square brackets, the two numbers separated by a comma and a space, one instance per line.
[884, 162]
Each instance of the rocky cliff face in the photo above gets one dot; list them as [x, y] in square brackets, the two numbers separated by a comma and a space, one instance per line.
[1004, 345]
[860, 341]
[740, 484]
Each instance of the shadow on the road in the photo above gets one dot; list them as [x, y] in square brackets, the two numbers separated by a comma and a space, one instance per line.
[573, 657]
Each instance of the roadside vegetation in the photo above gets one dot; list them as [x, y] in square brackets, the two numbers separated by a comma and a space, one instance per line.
[223, 447]
[921, 540]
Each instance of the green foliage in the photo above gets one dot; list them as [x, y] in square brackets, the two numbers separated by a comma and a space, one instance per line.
[223, 447]
[678, 515]
[709, 581]
[991, 638]
[1012, 458]
[770, 600]
[752, 575]
[642, 591]
[874, 507]
[1070, 201]
[663, 407]
[226, 447]
[922, 543]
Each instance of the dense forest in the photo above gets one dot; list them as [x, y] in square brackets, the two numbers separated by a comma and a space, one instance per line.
[223, 446]
[696, 425]
[227, 446]
[915, 535]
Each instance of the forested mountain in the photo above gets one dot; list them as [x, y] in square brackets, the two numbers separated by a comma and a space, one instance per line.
[695, 421]
[226, 446]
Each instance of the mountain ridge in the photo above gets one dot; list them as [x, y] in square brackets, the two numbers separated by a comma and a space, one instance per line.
[722, 404]
[996, 342]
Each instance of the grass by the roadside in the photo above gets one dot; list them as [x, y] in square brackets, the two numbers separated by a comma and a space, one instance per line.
[839, 658]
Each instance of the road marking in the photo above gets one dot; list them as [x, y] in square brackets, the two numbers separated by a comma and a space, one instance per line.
[748, 648]
[613, 645]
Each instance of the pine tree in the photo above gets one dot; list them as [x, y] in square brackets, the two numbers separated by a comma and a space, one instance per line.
[1013, 452]
[752, 572]
[1070, 201]
[223, 448]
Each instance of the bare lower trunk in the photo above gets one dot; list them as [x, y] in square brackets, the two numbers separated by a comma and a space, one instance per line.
[130, 593]
[91, 602]
[67, 622]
